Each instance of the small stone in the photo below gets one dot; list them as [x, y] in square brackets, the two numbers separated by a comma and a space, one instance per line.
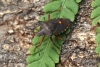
[11, 39]
[6, 46]
[10, 31]
[73, 56]
[26, 17]
[21, 31]
[19, 65]
[81, 55]
[17, 47]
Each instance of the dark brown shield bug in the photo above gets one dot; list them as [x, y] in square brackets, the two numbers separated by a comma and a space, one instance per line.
[52, 27]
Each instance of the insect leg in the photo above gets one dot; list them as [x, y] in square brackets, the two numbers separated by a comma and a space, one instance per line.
[48, 17]
[36, 29]
[72, 41]
[66, 40]
[54, 43]
[39, 43]
[59, 38]
[44, 18]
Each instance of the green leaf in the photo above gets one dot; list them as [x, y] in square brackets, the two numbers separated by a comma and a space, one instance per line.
[95, 13]
[30, 58]
[68, 30]
[52, 16]
[53, 6]
[95, 20]
[36, 39]
[97, 39]
[98, 30]
[99, 65]
[78, 1]
[66, 13]
[95, 3]
[97, 50]
[44, 17]
[47, 54]
[36, 30]
[73, 4]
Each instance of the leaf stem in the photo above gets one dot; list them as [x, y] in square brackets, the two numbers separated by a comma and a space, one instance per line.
[45, 52]
[62, 5]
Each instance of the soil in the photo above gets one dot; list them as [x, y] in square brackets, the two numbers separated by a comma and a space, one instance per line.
[17, 20]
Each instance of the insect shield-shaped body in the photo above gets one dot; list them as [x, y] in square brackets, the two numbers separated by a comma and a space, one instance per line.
[53, 27]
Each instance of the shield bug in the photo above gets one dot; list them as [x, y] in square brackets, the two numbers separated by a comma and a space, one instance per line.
[52, 27]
